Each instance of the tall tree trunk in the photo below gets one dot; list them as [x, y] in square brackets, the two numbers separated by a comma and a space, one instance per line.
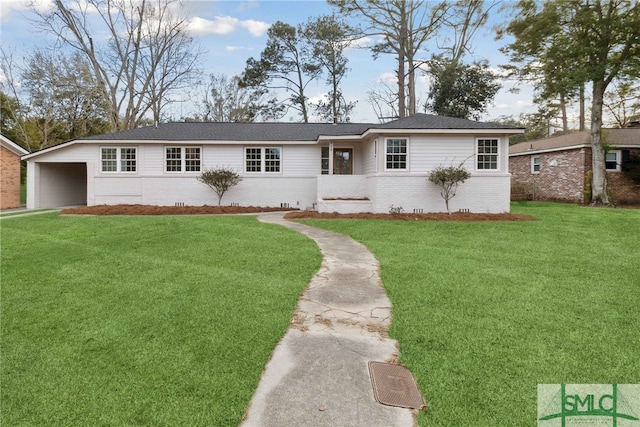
[563, 109]
[599, 194]
[402, 55]
[582, 108]
[412, 86]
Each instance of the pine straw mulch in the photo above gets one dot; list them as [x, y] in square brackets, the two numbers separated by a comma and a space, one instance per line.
[217, 210]
[166, 210]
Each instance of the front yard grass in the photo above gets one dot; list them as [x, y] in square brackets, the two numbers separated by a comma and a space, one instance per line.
[162, 321]
[484, 312]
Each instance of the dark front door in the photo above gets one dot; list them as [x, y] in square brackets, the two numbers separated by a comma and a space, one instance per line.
[342, 161]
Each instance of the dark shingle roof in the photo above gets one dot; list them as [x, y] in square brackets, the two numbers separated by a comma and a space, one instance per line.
[615, 137]
[221, 131]
[429, 121]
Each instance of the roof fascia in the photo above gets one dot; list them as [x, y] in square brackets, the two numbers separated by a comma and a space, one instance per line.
[549, 150]
[379, 131]
[48, 150]
[12, 146]
[193, 142]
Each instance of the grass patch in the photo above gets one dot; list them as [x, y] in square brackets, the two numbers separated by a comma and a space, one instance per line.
[142, 320]
[486, 311]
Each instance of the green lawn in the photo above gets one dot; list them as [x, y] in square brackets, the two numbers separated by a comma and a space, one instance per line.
[170, 320]
[484, 312]
[162, 321]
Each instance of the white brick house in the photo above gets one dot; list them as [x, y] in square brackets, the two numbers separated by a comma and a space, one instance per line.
[345, 167]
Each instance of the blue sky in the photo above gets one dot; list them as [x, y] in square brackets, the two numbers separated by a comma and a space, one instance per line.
[232, 31]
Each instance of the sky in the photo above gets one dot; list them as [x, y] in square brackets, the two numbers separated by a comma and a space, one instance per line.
[230, 32]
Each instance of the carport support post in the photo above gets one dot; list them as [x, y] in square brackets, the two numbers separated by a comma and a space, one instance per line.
[33, 175]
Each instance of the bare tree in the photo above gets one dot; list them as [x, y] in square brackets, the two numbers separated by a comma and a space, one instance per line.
[225, 100]
[12, 106]
[403, 28]
[63, 97]
[147, 57]
[383, 98]
[622, 102]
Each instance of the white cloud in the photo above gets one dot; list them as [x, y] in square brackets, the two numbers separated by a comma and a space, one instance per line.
[236, 48]
[223, 25]
[389, 78]
[256, 28]
[518, 105]
[9, 6]
[361, 43]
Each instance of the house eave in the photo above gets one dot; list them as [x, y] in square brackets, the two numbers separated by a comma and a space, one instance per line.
[548, 150]
[488, 131]
[12, 146]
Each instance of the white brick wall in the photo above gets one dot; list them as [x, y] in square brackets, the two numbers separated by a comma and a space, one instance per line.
[480, 194]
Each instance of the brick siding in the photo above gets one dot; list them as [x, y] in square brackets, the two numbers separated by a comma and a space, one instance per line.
[9, 179]
[622, 189]
[562, 177]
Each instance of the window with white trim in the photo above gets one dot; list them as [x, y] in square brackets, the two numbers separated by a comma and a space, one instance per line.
[535, 164]
[395, 151]
[612, 160]
[182, 159]
[263, 159]
[487, 154]
[118, 159]
[324, 160]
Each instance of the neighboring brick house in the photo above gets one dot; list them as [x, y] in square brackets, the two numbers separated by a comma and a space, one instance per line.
[559, 168]
[10, 153]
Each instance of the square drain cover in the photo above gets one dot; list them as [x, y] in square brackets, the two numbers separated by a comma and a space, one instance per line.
[394, 385]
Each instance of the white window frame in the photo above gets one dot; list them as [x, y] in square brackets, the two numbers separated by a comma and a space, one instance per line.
[387, 154]
[183, 159]
[534, 164]
[478, 154]
[618, 154]
[119, 160]
[325, 160]
[263, 161]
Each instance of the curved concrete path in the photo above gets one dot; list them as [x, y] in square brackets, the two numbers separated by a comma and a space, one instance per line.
[318, 374]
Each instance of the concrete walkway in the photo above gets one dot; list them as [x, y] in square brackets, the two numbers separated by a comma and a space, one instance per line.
[20, 212]
[318, 374]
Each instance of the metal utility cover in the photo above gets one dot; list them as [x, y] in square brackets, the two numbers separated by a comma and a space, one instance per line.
[393, 385]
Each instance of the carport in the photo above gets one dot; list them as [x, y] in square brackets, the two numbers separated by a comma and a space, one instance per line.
[56, 184]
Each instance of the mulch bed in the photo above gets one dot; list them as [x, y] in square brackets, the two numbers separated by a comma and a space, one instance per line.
[166, 210]
[217, 210]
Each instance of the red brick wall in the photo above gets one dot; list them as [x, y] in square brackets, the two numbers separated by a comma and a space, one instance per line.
[622, 189]
[9, 179]
[566, 180]
[561, 177]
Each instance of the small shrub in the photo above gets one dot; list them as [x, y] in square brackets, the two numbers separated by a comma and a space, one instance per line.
[220, 180]
[448, 178]
[393, 210]
[521, 191]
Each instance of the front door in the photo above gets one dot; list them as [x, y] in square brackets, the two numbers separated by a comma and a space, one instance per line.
[342, 161]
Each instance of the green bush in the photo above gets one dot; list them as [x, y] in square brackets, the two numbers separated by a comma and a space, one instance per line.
[448, 178]
[220, 180]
